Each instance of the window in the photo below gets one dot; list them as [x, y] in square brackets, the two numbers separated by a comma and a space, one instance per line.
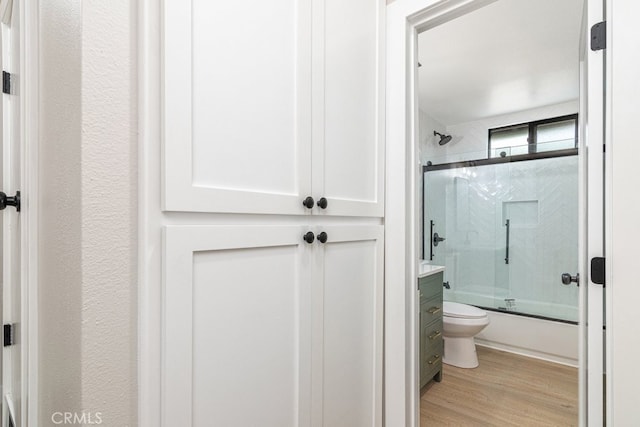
[559, 133]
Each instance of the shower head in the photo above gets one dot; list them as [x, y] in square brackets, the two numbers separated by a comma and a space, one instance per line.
[443, 138]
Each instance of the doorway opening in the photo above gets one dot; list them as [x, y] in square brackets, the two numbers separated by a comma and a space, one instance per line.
[501, 151]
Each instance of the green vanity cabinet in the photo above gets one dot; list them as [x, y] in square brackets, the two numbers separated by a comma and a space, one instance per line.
[431, 344]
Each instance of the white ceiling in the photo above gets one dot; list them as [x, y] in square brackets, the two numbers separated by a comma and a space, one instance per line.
[509, 56]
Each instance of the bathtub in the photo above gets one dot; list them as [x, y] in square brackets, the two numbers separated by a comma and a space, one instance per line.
[541, 338]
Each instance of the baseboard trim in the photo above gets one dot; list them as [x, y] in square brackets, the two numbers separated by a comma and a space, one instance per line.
[528, 353]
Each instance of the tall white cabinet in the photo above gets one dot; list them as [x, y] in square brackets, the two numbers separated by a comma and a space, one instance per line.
[266, 231]
[267, 103]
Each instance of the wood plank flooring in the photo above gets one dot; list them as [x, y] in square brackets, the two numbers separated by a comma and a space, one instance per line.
[506, 389]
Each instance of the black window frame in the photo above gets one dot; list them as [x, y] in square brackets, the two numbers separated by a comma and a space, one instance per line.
[532, 137]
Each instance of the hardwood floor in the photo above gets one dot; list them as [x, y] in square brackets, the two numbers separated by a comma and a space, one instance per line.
[506, 389]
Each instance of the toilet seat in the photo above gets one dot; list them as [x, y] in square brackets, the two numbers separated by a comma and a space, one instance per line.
[462, 311]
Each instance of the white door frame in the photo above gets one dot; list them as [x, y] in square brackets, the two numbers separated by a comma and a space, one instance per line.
[593, 316]
[149, 218]
[29, 134]
[622, 232]
[30, 66]
[25, 14]
[405, 19]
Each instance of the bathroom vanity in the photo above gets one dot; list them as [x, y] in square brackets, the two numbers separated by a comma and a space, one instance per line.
[430, 279]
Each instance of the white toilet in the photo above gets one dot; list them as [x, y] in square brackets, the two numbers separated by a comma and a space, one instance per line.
[461, 323]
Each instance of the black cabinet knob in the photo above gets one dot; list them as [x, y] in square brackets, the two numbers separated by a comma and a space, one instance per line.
[309, 237]
[322, 203]
[10, 201]
[308, 202]
[322, 237]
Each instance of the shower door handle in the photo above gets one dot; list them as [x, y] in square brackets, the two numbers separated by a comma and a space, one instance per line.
[437, 239]
[567, 279]
[431, 242]
[506, 258]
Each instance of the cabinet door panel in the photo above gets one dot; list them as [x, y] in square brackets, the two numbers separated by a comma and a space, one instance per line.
[236, 106]
[236, 346]
[348, 328]
[348, 152]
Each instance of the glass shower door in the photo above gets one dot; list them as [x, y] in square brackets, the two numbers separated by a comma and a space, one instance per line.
[510, 231]
[460, 206]
[541, 210]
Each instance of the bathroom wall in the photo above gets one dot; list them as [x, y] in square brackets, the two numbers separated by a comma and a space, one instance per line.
[87, 348]
[470, 139]
[60, 230]
[109, 210]
[426, 140]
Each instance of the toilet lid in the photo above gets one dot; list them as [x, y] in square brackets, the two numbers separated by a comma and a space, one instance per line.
[455, 309]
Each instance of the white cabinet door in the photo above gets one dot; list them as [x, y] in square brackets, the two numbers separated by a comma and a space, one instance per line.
[236, 106]
[236, 326]
[348, 99]
[347, 327]
[237, 102]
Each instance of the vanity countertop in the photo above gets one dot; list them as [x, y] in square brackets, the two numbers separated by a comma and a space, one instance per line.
[425, 269]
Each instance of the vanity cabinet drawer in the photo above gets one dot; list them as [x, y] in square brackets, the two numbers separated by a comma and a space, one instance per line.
[431, 310]
[432, 362]
[430, 336]
[430, 286]
[431, 333]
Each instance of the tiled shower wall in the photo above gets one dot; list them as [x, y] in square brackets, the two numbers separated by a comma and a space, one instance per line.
[470, 206]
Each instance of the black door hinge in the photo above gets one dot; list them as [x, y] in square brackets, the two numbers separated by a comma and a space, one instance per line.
[9, 335]
[598, 271]
[599, 36]
[6, 82]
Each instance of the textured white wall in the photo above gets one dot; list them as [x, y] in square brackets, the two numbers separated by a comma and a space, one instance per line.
[109, 210]
[88, 224]
[60, 220]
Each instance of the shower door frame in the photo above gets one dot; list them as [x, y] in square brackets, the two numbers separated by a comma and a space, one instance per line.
[405, 20]
[514, 160]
